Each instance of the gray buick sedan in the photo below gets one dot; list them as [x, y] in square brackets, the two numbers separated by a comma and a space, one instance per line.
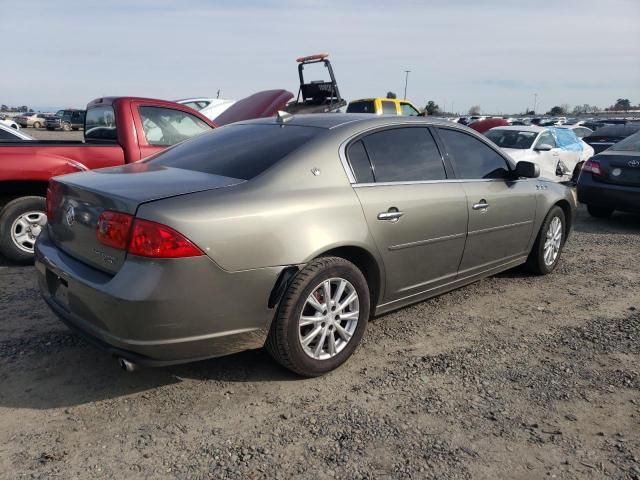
[288, 233]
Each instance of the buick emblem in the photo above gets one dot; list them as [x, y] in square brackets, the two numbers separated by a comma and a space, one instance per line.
[634, 163]
[70, 215]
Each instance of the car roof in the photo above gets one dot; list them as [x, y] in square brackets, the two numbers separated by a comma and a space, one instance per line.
[522, 128]
[15, 132]
[335, 120]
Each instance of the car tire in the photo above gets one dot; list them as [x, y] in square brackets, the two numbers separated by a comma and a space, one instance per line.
[25, 208]
[66, 127]
[291, 327]
[545, 254]
[599, 212]
[37, 125]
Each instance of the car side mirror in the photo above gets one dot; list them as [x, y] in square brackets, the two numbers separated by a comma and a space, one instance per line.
[545, 147]
[527, 169]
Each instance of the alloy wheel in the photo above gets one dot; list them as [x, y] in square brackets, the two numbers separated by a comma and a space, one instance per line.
[553, 241]
[329, 318]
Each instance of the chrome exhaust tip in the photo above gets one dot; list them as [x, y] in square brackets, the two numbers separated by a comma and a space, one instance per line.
[126, 365]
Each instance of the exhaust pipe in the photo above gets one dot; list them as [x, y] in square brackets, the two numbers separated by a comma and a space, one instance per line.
[126, 365]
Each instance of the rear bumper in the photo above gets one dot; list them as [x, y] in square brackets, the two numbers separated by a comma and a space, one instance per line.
[158, 312]
[617, 197]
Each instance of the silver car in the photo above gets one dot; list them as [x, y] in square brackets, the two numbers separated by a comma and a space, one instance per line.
[288, 233]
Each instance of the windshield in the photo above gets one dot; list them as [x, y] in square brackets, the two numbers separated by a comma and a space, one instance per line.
[629, 144]
[237, 151]
[512, 138]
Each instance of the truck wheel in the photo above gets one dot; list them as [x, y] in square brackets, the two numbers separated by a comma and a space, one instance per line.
[66, 127]
[21, 221]
[599, 212]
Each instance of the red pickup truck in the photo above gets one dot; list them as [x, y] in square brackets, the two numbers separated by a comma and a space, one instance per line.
[118, 130]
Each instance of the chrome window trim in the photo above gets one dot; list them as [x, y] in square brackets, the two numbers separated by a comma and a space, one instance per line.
[447, 180]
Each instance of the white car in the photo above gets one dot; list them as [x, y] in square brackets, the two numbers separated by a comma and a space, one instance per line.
[8, 133]
[209, 107]
[10, 123]
[557, 151]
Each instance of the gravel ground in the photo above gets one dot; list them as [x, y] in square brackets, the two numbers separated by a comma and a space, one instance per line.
[512, 377]
[44, 134]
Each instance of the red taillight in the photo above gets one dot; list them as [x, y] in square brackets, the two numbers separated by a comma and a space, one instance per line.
[113, 229]
[592, 166]
[54, 196]
[151, 239]
[143, 237]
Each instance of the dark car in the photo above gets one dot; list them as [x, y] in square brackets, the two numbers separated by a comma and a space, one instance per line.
[609, 135]
[611, 180]
[70, 119]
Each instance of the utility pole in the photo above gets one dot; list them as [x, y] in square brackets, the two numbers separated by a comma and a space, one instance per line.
[406, 81]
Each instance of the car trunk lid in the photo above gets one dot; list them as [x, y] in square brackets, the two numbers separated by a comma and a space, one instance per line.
[619, 168]
[79, 199]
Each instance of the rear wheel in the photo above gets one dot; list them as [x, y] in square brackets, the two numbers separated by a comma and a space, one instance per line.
[545, 254]
[322, 317]
[66, 127]
[37, 125]
[21, 221]
[599, 212]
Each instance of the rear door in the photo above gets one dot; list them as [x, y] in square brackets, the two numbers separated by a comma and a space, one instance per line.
[418, 218]
[501, 210]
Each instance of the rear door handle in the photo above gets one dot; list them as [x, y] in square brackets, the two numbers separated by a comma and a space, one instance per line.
[481, 205]
[392, 215]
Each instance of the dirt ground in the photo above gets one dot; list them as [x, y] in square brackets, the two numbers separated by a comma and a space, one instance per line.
[514, 377]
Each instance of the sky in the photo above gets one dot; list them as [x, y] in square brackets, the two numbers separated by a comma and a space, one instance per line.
[493, 53]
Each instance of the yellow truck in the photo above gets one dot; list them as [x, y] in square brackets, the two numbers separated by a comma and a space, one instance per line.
[383, 106]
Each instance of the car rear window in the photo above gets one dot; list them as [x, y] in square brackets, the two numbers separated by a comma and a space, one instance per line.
[237, 151]
[367, 106]
[617, 130]
[629, 144]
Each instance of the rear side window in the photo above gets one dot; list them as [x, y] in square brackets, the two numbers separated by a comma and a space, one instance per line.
[404, 155]
[389, 108]
[100, 124]
[473, 158]
[167, 126]
[361, 107]
[237, 151]
[359, 161]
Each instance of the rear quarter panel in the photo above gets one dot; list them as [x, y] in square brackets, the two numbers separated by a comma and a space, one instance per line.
[286, 216]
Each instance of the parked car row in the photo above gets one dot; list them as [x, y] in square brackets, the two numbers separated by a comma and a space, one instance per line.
[32, 119]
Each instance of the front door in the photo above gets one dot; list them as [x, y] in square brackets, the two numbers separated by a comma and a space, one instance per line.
[501, 210]
[417, 218]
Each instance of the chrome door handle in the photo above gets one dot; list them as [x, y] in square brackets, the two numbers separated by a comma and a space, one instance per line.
[391, 215]
[481, 205]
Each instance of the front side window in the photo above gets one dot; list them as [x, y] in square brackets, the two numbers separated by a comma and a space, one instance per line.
[407, 110]
[167, 126]
[389, 108]
[404, 155]
[473, 158]
[100, 124]
[237, 151]
[546, 138]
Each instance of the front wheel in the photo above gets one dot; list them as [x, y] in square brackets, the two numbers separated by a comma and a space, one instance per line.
[21, 221]
[37, 125]
[599, 212]
[545, 254]
[322, 317]
[66, 127]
